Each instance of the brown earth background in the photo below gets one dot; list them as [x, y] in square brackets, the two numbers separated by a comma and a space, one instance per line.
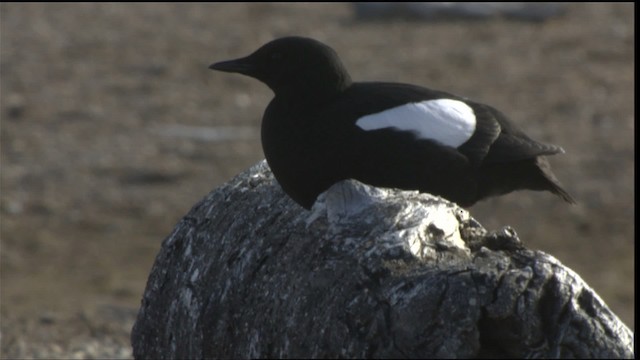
[92, 179]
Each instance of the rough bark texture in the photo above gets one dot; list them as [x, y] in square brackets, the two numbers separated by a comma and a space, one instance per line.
[367, 273]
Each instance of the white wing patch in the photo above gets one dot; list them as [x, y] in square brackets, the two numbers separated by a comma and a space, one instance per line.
[450, 122]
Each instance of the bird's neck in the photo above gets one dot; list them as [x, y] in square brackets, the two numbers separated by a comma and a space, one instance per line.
[313, 88]
[308, 93]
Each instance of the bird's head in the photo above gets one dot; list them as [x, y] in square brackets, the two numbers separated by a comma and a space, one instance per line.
[292, 66]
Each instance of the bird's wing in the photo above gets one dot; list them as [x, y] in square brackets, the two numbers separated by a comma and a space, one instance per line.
[509, 148]
[487, 127]
[428, 114]
[494, 139]
[487, 131]
[512, 144]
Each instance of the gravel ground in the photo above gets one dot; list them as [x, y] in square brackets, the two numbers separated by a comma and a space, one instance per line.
[112, 127]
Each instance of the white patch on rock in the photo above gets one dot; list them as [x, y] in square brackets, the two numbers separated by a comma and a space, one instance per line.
[393, 217]
[450, 122]
[343, 201]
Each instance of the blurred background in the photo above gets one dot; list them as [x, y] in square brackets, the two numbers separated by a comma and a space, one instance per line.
[112, 127]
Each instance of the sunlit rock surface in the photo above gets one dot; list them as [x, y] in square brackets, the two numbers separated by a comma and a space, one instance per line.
[367, 272]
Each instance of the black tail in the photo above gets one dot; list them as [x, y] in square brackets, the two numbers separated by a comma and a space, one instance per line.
[532, 174]
[558, 190]
[552, 183]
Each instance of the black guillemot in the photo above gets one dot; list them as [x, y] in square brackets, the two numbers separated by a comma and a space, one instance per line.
[321, 128]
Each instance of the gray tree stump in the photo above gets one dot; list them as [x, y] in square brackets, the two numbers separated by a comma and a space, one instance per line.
[367, 273]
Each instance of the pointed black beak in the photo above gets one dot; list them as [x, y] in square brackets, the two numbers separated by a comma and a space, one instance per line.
[241, 66]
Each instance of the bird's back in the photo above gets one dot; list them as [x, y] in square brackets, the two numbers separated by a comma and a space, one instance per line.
[310, 148]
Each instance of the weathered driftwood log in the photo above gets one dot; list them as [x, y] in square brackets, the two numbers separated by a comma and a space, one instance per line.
[367, 273]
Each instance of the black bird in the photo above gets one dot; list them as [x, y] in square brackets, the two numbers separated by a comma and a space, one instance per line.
[321, 128]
